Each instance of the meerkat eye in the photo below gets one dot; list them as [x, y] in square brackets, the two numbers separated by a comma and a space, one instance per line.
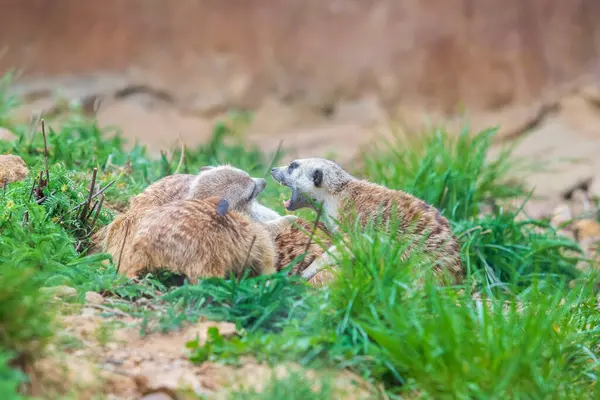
[292, 166]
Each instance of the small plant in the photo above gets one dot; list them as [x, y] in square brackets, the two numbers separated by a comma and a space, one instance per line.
[536, 346]
[10, 379]
[26, 320]
[263, 303]
[500, 249]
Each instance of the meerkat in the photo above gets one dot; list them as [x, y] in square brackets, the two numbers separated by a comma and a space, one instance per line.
[318, 181]
[202, 239]
[231, 184]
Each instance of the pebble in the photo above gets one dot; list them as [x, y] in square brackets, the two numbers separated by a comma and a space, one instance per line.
[93, 298]
[157, 396]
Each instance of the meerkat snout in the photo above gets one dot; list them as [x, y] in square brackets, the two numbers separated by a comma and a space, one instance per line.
[311, 180]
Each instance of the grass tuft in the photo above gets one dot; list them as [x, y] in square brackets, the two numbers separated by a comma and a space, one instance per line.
[451, 172]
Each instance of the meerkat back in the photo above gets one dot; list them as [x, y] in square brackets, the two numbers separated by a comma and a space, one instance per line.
[299, 239]
[200, 239]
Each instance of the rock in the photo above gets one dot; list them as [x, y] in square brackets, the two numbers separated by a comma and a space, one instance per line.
[61, 292]
[12, 169]
[159, 395]
[93, 298]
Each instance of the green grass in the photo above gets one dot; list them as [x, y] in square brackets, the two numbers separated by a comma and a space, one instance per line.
[381, 318]
[294, 386]
[451, 172]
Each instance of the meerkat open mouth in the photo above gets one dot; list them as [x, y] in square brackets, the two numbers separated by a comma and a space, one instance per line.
[296, 201]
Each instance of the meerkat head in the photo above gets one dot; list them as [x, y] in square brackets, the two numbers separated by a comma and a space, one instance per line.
[235, 186]
[311, 180]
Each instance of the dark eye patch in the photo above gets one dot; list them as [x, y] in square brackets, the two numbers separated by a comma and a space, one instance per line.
[292, 166]
[252, 193]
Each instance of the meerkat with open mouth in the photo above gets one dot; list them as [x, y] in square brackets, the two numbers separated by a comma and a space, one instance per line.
[317, 181]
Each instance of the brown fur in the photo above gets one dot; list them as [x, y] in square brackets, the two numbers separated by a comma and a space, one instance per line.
[323, 277]
[292, 243]
[418, 221]
[189, 237]
[12, 169]
[226, 182]
[343, 197]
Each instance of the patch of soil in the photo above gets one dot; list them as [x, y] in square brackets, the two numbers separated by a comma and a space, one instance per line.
[99, 355]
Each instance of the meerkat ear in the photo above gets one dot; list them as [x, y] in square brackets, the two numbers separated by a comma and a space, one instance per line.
[205, 168]
[317, 177]
[222, 207]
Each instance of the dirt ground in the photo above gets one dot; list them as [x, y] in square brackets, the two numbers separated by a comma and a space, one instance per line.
[99, 351]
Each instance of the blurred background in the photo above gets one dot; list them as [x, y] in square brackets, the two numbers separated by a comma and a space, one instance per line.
[322, 75]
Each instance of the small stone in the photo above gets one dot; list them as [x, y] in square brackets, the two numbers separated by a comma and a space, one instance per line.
[93, 298]
[12, 169]
[158, 396]
[61, 291]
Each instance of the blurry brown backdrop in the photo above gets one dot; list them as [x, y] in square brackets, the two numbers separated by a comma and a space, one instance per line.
[320, 74]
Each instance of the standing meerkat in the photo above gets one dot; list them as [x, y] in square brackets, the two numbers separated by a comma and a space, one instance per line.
[202, 239]
[231, 184]
[318, 180]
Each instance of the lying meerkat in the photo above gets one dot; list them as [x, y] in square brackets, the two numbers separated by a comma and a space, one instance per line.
[318, 180]
[224, 181]
[202, 239]
[233, 185]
